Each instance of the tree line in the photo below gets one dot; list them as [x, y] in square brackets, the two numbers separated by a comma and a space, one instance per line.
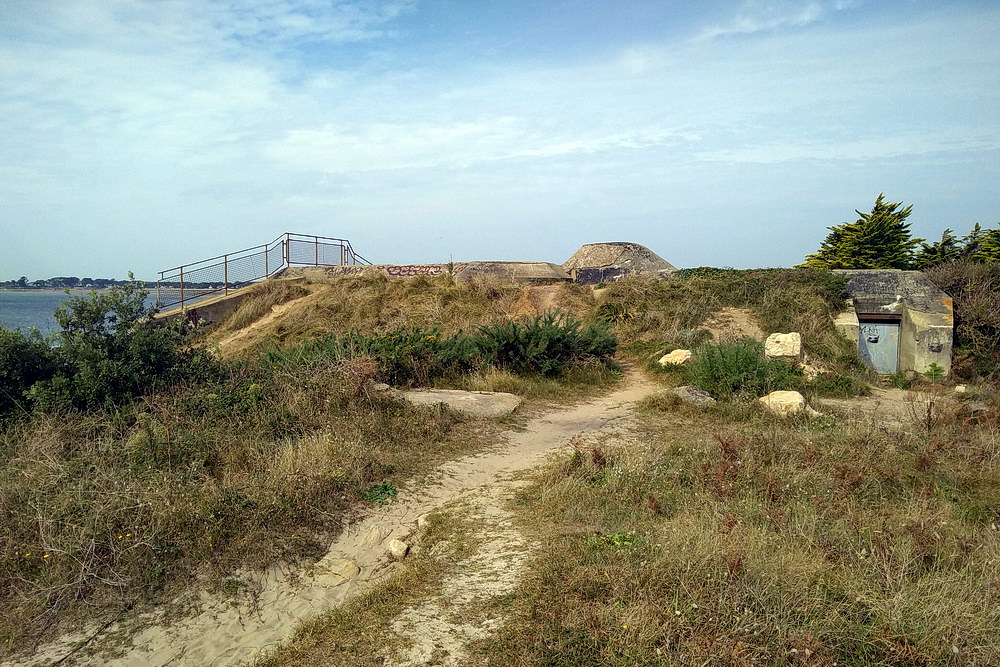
[881, 239]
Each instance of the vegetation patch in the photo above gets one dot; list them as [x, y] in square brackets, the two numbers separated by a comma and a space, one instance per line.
[729, 538]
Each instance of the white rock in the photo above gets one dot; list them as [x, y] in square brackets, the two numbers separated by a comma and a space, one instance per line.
[961, 389]
[677, 357]
[784, 402]
[691, 395]
[398, 549]
[786, 347]
[422, 520]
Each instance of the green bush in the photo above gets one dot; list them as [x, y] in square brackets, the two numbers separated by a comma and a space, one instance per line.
[24, 360]
[547, 345]
[107, 351]
[739, 369]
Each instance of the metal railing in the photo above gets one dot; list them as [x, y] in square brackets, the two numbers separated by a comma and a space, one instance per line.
[219, 275]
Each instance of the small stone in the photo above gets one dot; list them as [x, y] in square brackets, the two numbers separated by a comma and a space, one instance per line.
[784, 402]
[784, 347]
[422, 520]
[677, 358]
[398, 549]
[691, 395]
[961, 388]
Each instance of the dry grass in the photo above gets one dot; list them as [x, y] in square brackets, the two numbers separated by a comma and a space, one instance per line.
[377, 303]
[729, 537]
[103, 512]
[259, 302]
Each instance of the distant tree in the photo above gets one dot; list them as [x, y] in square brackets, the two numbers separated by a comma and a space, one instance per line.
[86, 282]
[987, 249]
[22, 281]
[877, 240]
[948, 249]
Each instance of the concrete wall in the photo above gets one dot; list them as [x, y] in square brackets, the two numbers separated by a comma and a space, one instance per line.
[520, 272]
[925, 338]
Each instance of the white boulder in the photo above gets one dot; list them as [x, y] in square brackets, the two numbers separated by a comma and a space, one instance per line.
[784, 346]
[784, 402]
[677, 357]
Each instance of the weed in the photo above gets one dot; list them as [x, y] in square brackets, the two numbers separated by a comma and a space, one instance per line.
[381, 493]
[738, 368]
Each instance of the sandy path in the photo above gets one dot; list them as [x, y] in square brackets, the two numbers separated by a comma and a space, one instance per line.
[224, 633]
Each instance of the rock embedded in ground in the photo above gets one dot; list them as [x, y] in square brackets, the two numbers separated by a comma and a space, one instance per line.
[784, 402]
[784, 347]
[471, 403]
[691, 395]
[677, 357]
[961, 388]
[341, 569]
[398, 549]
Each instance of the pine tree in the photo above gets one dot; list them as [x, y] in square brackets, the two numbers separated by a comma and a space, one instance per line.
[876, 240]
[948, 249]
[988, 249]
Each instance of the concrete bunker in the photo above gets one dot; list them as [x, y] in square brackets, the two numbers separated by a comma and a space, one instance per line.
[899, 320]
[605, 262]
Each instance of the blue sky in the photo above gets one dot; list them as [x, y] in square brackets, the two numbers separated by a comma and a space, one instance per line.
[140, 135]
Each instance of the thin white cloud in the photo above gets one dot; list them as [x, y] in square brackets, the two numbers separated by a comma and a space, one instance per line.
[765, 17]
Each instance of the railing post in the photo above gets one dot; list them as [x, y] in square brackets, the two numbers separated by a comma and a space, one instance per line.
[267, 251]
[225, 274]
[316, 261]
[182, 287]
[158, 291]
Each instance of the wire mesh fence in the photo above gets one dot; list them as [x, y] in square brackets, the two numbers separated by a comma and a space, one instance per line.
[191, 282]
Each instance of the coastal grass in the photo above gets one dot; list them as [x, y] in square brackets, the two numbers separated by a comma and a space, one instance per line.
[107, 510]
[376, 303]
[733, 537]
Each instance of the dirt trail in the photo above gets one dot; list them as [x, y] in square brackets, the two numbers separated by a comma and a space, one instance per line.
[224, 633]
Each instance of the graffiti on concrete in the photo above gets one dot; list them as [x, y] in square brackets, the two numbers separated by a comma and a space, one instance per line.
[412, 270]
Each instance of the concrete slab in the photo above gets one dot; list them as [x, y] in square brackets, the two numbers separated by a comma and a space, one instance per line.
[473, 403]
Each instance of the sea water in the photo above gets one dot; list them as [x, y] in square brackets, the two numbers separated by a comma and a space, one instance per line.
[21, 309]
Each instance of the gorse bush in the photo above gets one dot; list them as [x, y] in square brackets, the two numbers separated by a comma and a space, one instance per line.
[546, 345]
[739, 368]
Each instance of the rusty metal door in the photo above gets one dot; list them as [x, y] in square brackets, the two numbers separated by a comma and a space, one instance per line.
[878, 343]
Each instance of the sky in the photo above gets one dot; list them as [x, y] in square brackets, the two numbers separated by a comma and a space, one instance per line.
[140, 135]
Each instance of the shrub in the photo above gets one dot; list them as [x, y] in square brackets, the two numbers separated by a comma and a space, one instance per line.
[546, 345]
[975, 289]
[739, 368]
[24, 360]
[107, 351]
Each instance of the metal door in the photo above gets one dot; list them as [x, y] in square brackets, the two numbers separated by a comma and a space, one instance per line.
[878, 343]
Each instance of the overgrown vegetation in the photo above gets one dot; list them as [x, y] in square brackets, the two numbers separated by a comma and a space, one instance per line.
[650, 316]
[547, 345]
[710, 539]
[733, 369]
[105, 353]
[975, 288]
[136, 461]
